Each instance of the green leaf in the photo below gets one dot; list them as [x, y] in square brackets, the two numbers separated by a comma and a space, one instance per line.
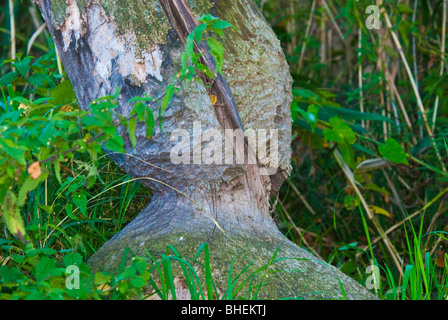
[12, 216]
[198, 31]
[139, 109]
[340, 133]
[221, 24]
[115, 143]
[8, 274]
[217, 50]
[80, 200]
[57, 171]
[310, 115]
[347, 154]
[69, 211]
[38, 79]
[23, 66]
[150, 123]
[101, 278]
[137, 282]
[393, 152]
[45, 268]
[207, 18]
[72, 259]
[167, 98]
[16, 152]
[8, 78]
[63, 93]
[132, 124]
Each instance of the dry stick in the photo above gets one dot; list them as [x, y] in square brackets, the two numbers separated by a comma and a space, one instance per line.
[58, 60]
[395, 256]
[34, 37]
[400, 101]
[292, 29]
[36, 20]
[323, 40]
[414, 56]
[414, 86]
[298, 230]
[394, 193]
[13, 29]
[307, 205]
[431, 226]
[381, 65]
[307, 32]
[442, 64]
[361, 98]
[330, 15]
[442, 193]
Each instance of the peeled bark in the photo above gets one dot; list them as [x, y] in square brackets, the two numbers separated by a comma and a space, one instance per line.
[130, 44]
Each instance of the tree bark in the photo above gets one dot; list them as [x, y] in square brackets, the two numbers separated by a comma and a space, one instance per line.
[131, 44]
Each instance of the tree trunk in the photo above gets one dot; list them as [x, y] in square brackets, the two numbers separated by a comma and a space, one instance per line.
[130, 44]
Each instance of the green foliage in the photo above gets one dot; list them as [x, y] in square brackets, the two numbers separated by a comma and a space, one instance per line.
[366, 110]
[79, 199]
[393, 151]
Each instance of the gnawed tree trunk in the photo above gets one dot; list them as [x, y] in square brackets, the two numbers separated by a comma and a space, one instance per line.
[131, 44]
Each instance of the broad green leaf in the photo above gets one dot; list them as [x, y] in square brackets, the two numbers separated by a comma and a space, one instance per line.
[115, 143]
[8, 78]
[23, 66]
[139, 109]
[150, 123]
[167, 98]
[347, 154]
[101, 278]
[69, 211]
[80, 200]
[45, 268]
[393, 152]
[198, 32]
[16, 152]
[132, 124]
[207, 18]
[72, 259]
[340, 133]
[63, 93]
[221, 24]
[217, 50]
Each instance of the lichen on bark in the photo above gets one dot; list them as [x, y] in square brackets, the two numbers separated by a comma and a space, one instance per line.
[146, 18]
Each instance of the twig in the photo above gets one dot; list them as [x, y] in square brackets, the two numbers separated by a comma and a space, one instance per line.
[414, 56]
[361, 98]
[298, 230]
[442, 64]
[34, 37]
[397, 259]
[307, 32]
[13, 29]
[395, 226]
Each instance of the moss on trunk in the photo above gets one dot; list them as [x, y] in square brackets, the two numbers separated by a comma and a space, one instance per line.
[104, 44]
